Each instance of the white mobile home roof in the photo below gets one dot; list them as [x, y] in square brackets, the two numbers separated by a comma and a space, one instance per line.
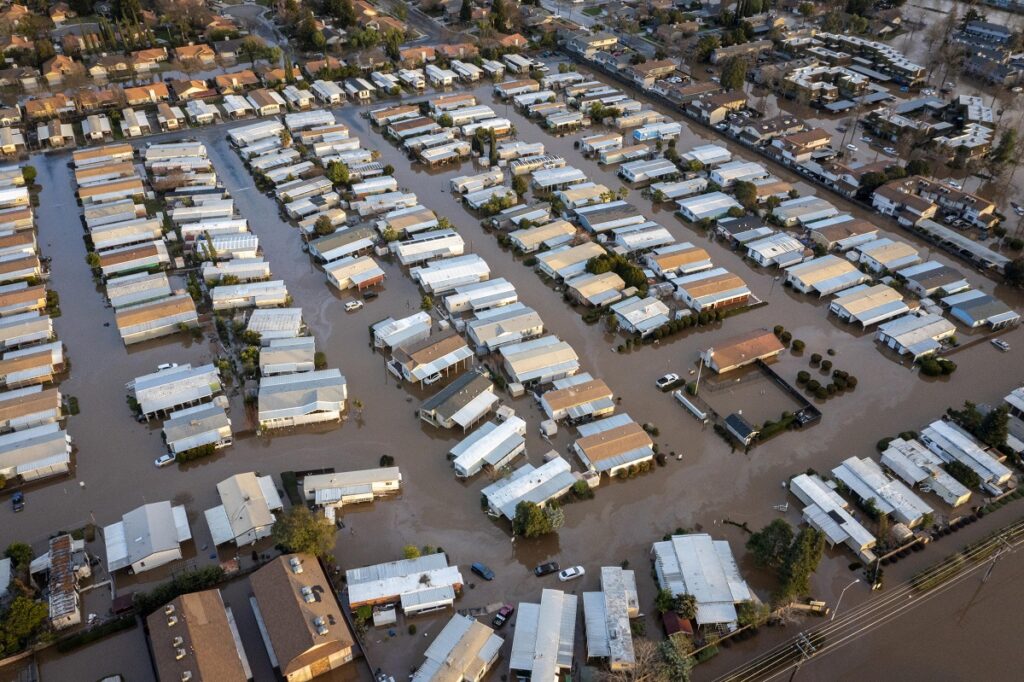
[529, 484]
[641, 237]
[330, 488]
[353, 272]
[493, 444]
[566, 262]
[372, 584]
[710, 205]
[708, 154]
[35, 452]
[919, 466]
[492, 329]
[259, 294]
[284, 356]
[428, 246]
[952, 443]
[869, 305]
[287, 396]
[916, 334]
[138, 288]
[867, 480]
[554, 177]
[445, 275]
[705, 568]
[276, 323]
[826, 511]
[545, 636]
[544, 359]
[196, 426]
[390, 332]
[152, 529]
[175, 386]
[481, 296]
[606, 615]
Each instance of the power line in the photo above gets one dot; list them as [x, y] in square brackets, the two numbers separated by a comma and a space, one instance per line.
[944, 576]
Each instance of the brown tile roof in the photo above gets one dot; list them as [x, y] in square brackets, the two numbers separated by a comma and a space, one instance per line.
[99, 152]
[614, 442]
[9, 266]
[202, 51]
[149, 312]
[209, 646]
[675, 259]
[43, 358]
[429, 349]
[128, 255]
[132, 185]
[28, 404]
[151, 92]
[714, 285]
[579, 394]
[745, 348]
[24, 238]
[289, 619]
[36, 296]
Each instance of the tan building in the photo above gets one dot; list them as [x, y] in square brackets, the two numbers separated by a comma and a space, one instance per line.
[193, 639]
[741, 350]
[295, 605]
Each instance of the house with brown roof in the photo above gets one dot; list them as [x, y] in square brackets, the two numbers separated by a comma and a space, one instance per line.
[416, 55]
[22, 298]
[13, 13]
[111, 66]
[24, 77]
[458, 50]
[315, 66]
[55, 134]
[144, 61]
[185, 90]
[146, 94]
[221, 25]
[61, 12]
[516, 40]
[191, 638]
[742, 350]
[798, 147]
[49, 107]
[15, 43]
[78, 38]
[427, 359]
[613, 444]
[28, 408]
[201, 54]
[88, 100]
[60, 67]
[296, 609]
[645, 74]
[233, 82]
[266, 102]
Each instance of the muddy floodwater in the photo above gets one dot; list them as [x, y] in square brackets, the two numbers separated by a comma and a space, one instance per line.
[709, 483]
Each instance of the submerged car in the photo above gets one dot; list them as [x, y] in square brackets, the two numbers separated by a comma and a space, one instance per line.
[352, 306]
[482, 571]
[546, 568]
[1001, 345]
[667, 380]
[571, 574]
[164, 460]
[502, 616]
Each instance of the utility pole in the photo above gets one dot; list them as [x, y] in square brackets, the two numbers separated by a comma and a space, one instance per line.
[806, 649]
[1006, 549]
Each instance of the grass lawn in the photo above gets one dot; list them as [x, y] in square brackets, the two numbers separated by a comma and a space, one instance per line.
[592, 11]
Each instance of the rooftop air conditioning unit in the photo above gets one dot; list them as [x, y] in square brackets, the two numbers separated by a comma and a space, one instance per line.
[169, 609]
[296, 565]
[179, 654]
[186, 676]
[178, 641]
[307, 595]
[172, 621]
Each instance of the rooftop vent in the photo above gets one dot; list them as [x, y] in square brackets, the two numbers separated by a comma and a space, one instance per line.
[307, 595]
[172, 621]
[186, 676]
[295, 564]
[178, 641]
[179, 654]
[169, 609]
[321, 626]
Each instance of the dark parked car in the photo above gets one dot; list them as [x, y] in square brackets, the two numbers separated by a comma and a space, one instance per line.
[18, 501]
[482, 571]
[502, 616]
[545, 569]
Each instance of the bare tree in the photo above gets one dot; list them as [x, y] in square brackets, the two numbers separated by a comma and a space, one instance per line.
[649, 665]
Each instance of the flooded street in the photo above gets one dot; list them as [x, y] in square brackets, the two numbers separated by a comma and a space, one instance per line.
[710, 484]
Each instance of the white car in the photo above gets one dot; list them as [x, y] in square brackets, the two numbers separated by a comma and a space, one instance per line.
[352, 306]
[164, 460]
[571, 573]
[891, 151]
[667, 380]
[851, 147]
[166, 365]
[954, 184]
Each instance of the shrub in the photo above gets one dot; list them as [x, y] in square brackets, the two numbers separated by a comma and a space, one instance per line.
[778, 329]
[412, 628]
[826, 365]
[803, 377]
[831, 389]
[785, 337]
[798, 346]
[883, 444]
[815, 359]
[387, 461]
[851, 381]
[820, 393]
[92, 634]
[813, 385]
[195, 453]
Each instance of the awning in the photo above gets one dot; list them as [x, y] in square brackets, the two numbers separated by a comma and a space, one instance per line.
[474, 409]
[220, 527]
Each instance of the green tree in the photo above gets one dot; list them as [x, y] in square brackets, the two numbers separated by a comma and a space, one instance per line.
[466, 11]
[29, 173]
[801, 562]
[664, 601]
[22, 620]
[20, 554]
[297, 530]
[411, 552]
[520, 184]
[995, 427]
[393, 43]
[1013, 272]
[323, 226]
[771, 544]
[746, 194]
[962, 473]
[706, 45]
[337, 172]
[919, 167]
[734, 73]
[1006, 150]
[532, 521]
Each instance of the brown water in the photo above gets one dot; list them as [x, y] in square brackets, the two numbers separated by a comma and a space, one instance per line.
[710, 484]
